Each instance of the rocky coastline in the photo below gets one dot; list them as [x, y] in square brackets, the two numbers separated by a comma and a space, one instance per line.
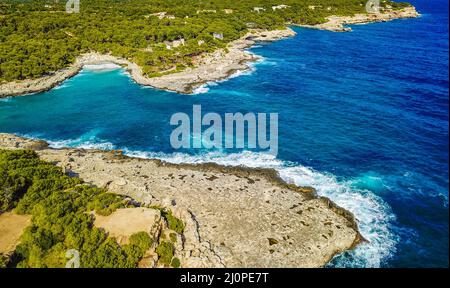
[339, 23]
[207, 68]
[233, 216]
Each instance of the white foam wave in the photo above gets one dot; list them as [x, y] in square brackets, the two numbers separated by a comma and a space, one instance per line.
[85, 144]
[201, 89]
[29, 94]
[374, 216]
[240, 73]
[64, 85]
[268, 63]
[126, 73]
[88, 140]
[6, 99]
[262, 61]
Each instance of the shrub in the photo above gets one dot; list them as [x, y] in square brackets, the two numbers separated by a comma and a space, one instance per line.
[165, 252]
[141, 240]
[173, 222]
[175, 263]
[106, 203]
[173, 237]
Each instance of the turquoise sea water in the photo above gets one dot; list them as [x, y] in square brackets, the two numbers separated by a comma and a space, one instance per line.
[363, 118]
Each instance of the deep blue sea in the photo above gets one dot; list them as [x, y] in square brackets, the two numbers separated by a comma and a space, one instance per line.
[363, 118]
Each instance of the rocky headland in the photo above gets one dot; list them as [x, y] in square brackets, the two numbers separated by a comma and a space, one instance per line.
[233, 216]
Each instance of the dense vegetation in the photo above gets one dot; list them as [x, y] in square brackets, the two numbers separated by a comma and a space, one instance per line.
[38, 36]
[60, 207]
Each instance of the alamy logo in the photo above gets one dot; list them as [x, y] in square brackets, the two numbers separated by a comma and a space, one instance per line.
[73, 6]
[73, 257]
[229, 133]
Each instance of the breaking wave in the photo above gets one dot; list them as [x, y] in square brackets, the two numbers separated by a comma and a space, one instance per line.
[89, 140]
[65, 84]
[201, 89]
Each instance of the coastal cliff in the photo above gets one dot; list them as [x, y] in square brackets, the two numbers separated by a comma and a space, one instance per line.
[233, 216]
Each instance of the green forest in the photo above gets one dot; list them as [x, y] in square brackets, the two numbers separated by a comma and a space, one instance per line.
[59, 206]
[38, 37]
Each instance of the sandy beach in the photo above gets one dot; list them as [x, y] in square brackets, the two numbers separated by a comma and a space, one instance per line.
[234, 216]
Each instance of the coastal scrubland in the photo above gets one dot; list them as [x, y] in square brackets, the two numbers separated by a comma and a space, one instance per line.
[38, 37]
[60, 208]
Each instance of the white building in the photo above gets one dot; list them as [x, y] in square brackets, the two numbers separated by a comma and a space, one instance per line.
[162, 15]
[282, 6]
[174, 44]
[218, 36]
[258, 9]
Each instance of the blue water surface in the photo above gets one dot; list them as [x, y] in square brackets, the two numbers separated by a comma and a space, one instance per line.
[363, 118]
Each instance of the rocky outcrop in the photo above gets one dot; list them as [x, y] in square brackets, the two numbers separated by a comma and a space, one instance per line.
[233, 216]
[217, 65]
[45, 83]
[338, 23]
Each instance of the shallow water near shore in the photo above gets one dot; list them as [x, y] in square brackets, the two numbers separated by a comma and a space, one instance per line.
[363, 118]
